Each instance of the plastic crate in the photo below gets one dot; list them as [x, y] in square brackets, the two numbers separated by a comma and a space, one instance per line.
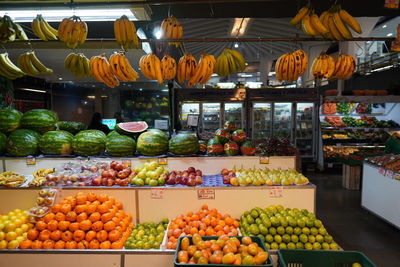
[319, 258]
[256, 239]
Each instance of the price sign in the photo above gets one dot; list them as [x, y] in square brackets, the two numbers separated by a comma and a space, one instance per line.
[382, 171]
[206, 194]
[389, 173]
[127, 162]
[163, 161]
[264, 160]
[161, 124]
[275, 191]
[157, 193]
[396, 176]
[31, 161]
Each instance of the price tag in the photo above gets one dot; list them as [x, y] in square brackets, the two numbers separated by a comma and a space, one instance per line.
[330, 165]
[382, 171]
[389, 173]
[161, 124]
[396, 176]
[206, 194]
[264, 160]
[31, 161]
[275, 191]
[127, 162]
[157, 193]
[163, 161]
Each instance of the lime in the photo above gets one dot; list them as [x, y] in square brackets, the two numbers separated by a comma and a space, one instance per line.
[319, 238]
[291, 245]
[263, 229]
[311, 239]
[325, 246]
[280, 230]
[328, 239]
[316, 246]
[301, 223]
[310, 223]
[278, 239]
[282, 246]
[254, 229]
[305, 230]
[299, 245]
[286, 238]
[289, 230]
[356, 264]
[322, 231]
[274, 245]
[334, 246]
[297, 231]
[314, 231]
[250, 219]
[303, 238]
[283, 221]
[269, 238]
[308, 246]
[254, 213]
[267, 246]
[274, 221]
[318, 224]
[272, 230]
[266, 222]
[258, 221]
[294, 238]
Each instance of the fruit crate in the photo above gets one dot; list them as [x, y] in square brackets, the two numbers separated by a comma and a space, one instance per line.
[256, 239]
[317, 258]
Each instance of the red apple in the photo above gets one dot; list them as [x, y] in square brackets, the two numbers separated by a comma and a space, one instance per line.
[104, 181]
[198, 180]
[110, 182]
[120, 167]
[226, 179]
[192, 176]
[224, 172]
[96, 181]
[199, 173]
[113, 164]
[184, 181]
[124, 173]
[94, 169]
[191, 169]
[105, 174]
[191, 182]
[185, 174]
[170, 181]
[232, 174]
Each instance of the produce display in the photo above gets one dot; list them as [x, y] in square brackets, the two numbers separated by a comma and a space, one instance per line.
[205, 222]
[259, 177]
[147, 235]
[39, 177]
[149, 174]
[56, 143]
[168, 67]
[117, 174]
[89, 142]
[184, 144]
[31, 65]
[44, 201]
[8, 69]
[275, 147]
[11, 30]
[231, 148]
[120, 146]
[190, 177]
[239, 136]
[334, 121]
[171, 28]
[329, 108]
[222, 250]
[13, 228]
[72, 31]
[83, 221]
[247, 148]
[215, 147]
[364, 108]
[125, 33]
[336, 151]
[230, 61]
[282, 228]
[388, 161]
[186, 68]
[230, 126]
[332, 24]
[363, 121]
[291, 66]
[78, 64]
[11, 179]
[43, 30]
[344, 108]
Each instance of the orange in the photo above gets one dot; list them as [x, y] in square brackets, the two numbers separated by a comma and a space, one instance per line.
[44, 235]
[81, 217]
[65, 208]
[63, 225]
[59, 244]
[111, 199]
[94, 244]
[60, 216]
[177, 232]
[25, 244]
[79, 235]
[118, 204]
[90, 235]
[109, 226]
[37, 244]
[48, 244]
[71, 200]
[117, 245]
[55, 235]
[97, 226]
[81, 198]
[96, 216]
[193, 231]
[85, 225]
[103, 208]
[80, 208]
[102, 235]
[91, 196]
[229, 221]
[106, 217]
[48, 217]
[70, 216]
[105, 245]
[73, 227]
[52, 225]
[116, 220]
[114, 235]
[102, 198]
[71, 244]
[91, 208]
[66, 236]
[56, 208]
[33, 234]
[41, 225]
[83, 245]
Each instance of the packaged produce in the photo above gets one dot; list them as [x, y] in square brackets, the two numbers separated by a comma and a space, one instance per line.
[190, 177]
[44, 201]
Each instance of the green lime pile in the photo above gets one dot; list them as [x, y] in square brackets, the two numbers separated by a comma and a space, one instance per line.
[147, 235]
[282, 228]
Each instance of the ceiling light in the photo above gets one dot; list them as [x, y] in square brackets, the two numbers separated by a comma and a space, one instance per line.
[60, 79]
[32, 90]
[246, 75]
[91, 96]
[384, 26]
[23, 15]
[140, 89]
[236, 45]
[104, 96]
[239, 26]
[214, 75]
[246, 63]
[164, 90]
[389, 34]
[157, 32]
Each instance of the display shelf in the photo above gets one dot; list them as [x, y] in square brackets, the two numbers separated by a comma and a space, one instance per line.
[380, 194]
[359, 128]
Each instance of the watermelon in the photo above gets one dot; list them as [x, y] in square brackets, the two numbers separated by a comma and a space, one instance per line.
[56, 143]
[23, 142]
[9, 120]
[131, 128]
[230, 126]
[231, 148]
[248, 148]
[239, 136]
[3, 143]
[214, 147]
[222, 135]
[113, 133]
[151, 143]
[89, 142]
[202, 147]
[155, 131]
[71, 126]
[184, 144]
[120, 146]
[40, 120]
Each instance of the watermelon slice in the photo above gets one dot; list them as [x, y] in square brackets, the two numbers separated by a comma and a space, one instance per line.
[131, 128]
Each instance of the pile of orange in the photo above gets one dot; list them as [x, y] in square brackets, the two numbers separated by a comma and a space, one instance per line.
[205, 222]
[83, 221]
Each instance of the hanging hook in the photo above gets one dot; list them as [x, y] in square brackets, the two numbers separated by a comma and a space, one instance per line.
[211, 9]
[169, 10]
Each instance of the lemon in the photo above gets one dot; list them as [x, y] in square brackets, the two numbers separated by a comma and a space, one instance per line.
[11, 236]
[12, 244]
[3, 244]
[2, 235]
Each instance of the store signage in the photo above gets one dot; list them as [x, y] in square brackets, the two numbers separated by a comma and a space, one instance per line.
[392, 4]
[161, 124]
[275, 191]
[264, 160]
[163, 161]
[192, 120]
[382, 171]
[206, 194]
[157, 193]
[31, 161]
[127, 162]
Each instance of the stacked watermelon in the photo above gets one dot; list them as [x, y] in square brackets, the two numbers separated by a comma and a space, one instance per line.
[120, 145]
[89, 143]
[72, 127]
[230, 140]
[152, 143]
[184, 144]
[3, 143]
[56, 143]
[39, 120]
[9, 120]
[23, 142]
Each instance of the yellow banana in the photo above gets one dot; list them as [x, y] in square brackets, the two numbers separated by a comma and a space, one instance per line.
[117, 31]
[130, 32]
[277, 70]
[304, 61]
[291, 67]
[152, 66]
[157, 66]
[350, 20]
[317, 24]
[324, 20]
[307, 27]
[238, 57]
[342, 28]
[285, 68]
[61, 29]
[331, 67]
[333, 30]
[38, 65]
[83, 31]
[32, 70]
[51, 29]
[46, 31]
[299, 16]
[37, 30]
[86, 67]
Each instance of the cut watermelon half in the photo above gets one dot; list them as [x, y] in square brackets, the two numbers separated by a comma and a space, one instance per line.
[131, 128]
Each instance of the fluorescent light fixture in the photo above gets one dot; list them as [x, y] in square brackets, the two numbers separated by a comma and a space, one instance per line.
[214, 75]
[145, 46]
[104, 96]
[227, 85]
[60, 79]
[246, 75]
[236, 45]
[91, 96]
[389, 34]
[253, 84]
[271, 73]
[382, 68]
[384, 26]
[164, 90]
[240, 26]
[105, 14]
[33, 90]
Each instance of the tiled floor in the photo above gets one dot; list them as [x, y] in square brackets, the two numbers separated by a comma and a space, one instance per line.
[353, 227]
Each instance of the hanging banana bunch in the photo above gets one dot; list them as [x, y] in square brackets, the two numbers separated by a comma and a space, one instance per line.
[73, 31]
[31, 65]
[171, 29]
[125, 33]
[168, 67]
[345, 66]
[8, 69]
[43, 30]
[150, 65]
[291, 66]
[204, 70]
[78, 64]
[9, 31]
[230, 61]
[186, 68]
[323, 66]
[101, 70]
[121, 68]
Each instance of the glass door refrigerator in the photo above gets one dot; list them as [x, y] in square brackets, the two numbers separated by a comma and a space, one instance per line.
[234, 112]
[210, 117]
[282, 120]
[305, 134]
[188, 108]
[261, 120]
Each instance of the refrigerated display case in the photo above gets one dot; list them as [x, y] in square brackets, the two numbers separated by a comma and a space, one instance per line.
[305, 129]
[282, 120]
[262, 118]
[211, 116]
[234, 112]
[188, 108]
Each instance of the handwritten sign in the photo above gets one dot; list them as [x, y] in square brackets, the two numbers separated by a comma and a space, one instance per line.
[31, 161]
[276, 191]
[206, 194]
[157, 193]
[163, 161]
[264, 160]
